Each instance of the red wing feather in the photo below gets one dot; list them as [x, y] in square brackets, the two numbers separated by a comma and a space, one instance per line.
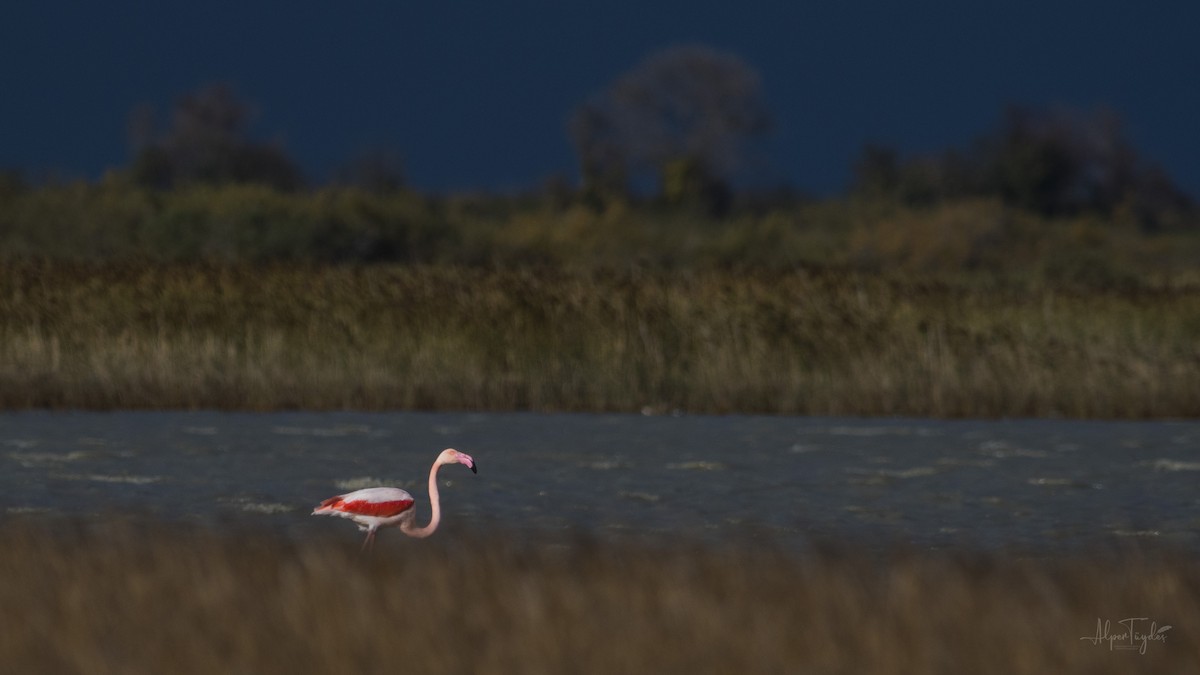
[365, 508]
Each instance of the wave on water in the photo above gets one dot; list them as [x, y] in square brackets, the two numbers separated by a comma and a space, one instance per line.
[1174, 465]
[338, 431]
[966, 462]
[884, 476]
[1002, 450]
[251, 506]
[1064, 482]
[1137, 533]
[607, 464]
[699, 465]
[28, 510]
[881, 431]
[200, 431]
[648, 497]
[351, 484]
[110, 478]
[31, 460]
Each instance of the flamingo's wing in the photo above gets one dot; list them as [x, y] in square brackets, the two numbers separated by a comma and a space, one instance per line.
[379, 502]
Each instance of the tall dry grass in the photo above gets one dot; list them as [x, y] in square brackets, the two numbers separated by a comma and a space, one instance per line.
[110, 598]
[387, 337]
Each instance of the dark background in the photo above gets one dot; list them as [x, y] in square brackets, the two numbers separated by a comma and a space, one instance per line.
[476, 95]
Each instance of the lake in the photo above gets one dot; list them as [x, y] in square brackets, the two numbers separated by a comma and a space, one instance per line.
[1043, 485]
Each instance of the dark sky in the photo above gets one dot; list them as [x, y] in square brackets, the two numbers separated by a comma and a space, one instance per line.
[476, 94]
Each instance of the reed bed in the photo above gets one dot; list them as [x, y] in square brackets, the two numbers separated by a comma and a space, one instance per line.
[129, 336]
[109, 597]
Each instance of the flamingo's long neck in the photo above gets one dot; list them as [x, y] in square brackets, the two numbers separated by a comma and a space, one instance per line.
[435, 507]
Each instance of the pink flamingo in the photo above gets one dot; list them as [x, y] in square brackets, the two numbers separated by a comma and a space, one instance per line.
[376, 507]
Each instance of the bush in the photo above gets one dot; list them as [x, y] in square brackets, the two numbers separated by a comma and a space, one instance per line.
[115, 219]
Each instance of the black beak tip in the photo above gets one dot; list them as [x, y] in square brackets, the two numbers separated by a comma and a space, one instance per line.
[473, 469]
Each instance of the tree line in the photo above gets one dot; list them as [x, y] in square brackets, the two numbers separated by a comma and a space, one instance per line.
[659, 151]
[676, 129]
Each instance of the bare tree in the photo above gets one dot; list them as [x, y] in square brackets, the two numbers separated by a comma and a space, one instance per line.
[684, 115]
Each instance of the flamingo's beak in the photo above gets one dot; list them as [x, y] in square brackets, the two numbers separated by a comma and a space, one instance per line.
[464, 458]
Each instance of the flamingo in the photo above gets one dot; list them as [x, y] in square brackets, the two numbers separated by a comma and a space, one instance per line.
[372, 508]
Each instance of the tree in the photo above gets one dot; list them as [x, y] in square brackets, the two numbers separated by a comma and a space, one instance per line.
[683, 115]
[1052, 162]
[207, 142]
[1063, 161]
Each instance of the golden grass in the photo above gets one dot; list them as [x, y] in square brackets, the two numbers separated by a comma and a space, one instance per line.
[405, 337]
[111, 598]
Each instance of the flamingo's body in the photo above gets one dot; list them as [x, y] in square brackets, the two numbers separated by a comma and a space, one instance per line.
[373, 508]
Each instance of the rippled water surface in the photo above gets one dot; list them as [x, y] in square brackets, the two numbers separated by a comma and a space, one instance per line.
[927, 483]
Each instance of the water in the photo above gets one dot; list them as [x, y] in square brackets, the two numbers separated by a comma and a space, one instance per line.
[1030, 484]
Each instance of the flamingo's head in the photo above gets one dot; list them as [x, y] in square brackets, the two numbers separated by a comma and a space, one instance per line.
[452, 456]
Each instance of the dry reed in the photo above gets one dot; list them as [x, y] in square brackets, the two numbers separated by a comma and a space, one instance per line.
[111, 598]
[393, 337]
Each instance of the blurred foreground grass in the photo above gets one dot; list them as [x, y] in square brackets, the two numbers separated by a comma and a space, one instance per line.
[110, 598]
[552, 338]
